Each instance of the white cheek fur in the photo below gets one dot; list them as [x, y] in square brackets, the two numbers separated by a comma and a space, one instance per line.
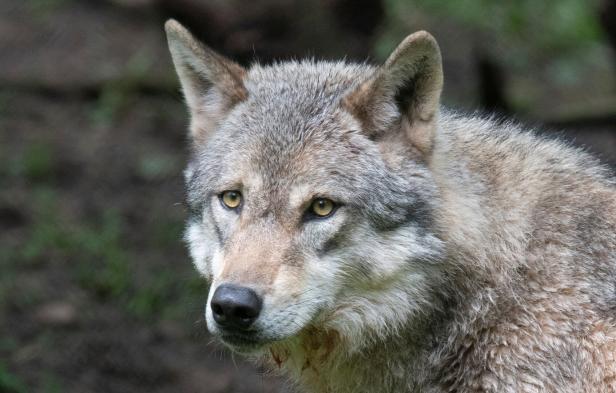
[209, 318]
[203, 239]
[199, 247]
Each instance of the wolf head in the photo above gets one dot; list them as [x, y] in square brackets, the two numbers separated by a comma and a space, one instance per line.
[311, 202]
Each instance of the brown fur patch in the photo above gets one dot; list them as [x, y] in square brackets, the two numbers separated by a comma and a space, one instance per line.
[255, 256]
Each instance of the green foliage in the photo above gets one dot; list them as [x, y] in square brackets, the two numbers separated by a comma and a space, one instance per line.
[51, 384]
[45, 232]
[157, 166]
[8, 344]
[149, 300]
[6, 96]
[10, 383]
[550, 27]
[38, 162]
[42, 8]
[117, 95]
[102, 262]
[113, 98]
[104, 267]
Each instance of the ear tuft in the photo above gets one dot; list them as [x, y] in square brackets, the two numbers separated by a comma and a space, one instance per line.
[173, 27]
[212, 84]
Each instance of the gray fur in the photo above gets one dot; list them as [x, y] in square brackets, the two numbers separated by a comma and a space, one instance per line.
[468, 255]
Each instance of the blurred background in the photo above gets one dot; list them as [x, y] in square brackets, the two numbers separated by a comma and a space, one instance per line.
[97, 293]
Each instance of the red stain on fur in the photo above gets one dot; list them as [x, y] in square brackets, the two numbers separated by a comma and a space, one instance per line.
[318, 346]
[278, 358]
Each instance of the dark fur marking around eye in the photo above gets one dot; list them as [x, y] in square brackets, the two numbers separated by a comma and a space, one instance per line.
[194, 213]
[336, 241]
[219, 236]
[330, 244]
[418, 213]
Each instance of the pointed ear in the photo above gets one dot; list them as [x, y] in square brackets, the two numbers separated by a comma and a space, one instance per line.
[403, 93]
[212, 84]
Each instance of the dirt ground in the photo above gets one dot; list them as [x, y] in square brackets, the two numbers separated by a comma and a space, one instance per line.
[97, 293]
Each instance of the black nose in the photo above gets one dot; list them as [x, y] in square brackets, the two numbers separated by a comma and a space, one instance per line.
[235, 307]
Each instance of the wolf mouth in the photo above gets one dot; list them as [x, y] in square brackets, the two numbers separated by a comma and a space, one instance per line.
[242, 342]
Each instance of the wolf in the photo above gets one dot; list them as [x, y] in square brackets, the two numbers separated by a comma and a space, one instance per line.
[359, 237]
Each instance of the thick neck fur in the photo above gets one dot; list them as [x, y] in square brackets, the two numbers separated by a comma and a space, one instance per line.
[492, 179]
[320, 361]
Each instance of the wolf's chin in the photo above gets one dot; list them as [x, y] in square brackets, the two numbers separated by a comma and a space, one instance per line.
[247, 345]
[249, 350]
[243, 345]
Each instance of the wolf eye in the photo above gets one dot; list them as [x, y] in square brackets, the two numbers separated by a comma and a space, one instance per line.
[231, 199]
[322, 207]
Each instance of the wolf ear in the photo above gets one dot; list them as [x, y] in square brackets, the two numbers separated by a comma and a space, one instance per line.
[403, 93]
[212, 84]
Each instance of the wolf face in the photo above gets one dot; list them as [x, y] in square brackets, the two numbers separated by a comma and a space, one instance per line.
[305, 207]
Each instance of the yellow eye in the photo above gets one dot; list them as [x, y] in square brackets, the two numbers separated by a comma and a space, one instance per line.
[322, 207]
[231, 199]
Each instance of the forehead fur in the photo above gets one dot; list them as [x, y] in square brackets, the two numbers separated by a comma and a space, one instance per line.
[292, 109]
[308, 86]
[293, 104]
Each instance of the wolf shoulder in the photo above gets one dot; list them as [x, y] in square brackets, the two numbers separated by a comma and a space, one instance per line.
[562, 196]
